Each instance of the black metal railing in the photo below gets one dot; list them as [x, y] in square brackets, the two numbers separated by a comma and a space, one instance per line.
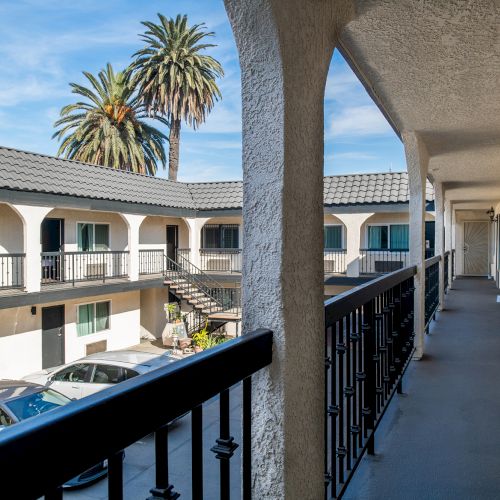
[151, 262]
[226, 260]
[184, 252]
[431, 289]
[368, 345]
[453, 264]
[73, 267]
[83, 438]
[12, 270]
[194, 283]
[381, 261]
[446, 265]
[334, 260]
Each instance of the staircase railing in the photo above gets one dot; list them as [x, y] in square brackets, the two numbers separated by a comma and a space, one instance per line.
[196, 281]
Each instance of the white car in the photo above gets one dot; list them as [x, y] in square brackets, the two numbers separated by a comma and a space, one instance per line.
[98, 371]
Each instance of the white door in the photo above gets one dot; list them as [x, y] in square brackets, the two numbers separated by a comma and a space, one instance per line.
[476, 248]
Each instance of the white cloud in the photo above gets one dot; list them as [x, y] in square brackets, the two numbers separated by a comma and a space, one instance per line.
[359, 121]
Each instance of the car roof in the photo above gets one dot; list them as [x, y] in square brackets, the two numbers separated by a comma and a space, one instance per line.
[10, 389]
[130, 357]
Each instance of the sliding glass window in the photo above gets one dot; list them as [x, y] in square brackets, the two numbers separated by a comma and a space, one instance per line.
[333, 237]
[220, 236]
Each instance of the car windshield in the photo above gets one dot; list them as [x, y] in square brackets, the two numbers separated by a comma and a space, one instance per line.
[36, 403]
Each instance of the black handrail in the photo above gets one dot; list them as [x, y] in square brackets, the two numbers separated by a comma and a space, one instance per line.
[369, 334]
[56, 446]
[431, 289]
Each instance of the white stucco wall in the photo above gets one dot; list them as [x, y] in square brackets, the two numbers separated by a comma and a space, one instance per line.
[152, 315]
[21, 333]
[153, 233]
[11, 230]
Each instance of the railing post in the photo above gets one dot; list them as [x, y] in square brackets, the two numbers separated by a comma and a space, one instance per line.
[370, 394]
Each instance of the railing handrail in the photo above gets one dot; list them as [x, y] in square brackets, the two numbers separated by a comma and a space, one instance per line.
[432, 260]
[335, 250]
[446, 253]
[221, 250]
[339, 306]
[12, 255]
[83, 252]
[384, 249]
[22, 445]
[194, 270]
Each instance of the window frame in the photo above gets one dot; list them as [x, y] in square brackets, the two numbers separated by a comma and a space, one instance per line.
[220, 236]
[110, 314]
[388, 225]
[93, 224]
[342, 239]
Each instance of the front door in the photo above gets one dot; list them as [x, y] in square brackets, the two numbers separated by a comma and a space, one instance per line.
[172, 241]
[52, 336]
[52, 238]
[476, 248]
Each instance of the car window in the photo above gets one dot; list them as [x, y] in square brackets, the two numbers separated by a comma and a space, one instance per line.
[129, 373]
[36, 403]
[108, 374]
[73, 373]
[5, 420]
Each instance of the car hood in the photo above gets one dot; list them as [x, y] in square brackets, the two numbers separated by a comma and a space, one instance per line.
[40, 375]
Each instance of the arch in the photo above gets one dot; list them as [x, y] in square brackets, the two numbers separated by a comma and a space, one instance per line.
[12, 226]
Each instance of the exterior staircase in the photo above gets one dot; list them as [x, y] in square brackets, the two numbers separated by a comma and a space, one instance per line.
[201, 291]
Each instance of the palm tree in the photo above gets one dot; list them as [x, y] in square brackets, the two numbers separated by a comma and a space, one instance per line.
[107, 128]
[174, 79]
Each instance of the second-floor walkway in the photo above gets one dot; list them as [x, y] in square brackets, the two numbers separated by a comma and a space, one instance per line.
[440, 441]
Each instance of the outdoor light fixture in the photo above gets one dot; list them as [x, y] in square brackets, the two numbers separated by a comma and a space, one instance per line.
[491, 214]
[33, 311]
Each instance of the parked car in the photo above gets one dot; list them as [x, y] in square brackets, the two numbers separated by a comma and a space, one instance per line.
[21, 400]
[98, 371]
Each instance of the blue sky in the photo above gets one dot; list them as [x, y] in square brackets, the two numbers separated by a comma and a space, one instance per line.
[46, 44]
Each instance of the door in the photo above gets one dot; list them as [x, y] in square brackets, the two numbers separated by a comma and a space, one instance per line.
[52, 236]
[172, 241]
[72, 379]
[52, 336]
[476, 248]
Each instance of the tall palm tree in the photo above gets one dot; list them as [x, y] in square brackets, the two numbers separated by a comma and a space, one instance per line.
[107, 129]
[174, 79]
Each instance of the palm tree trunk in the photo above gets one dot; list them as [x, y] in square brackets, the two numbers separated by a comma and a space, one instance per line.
[173, 152]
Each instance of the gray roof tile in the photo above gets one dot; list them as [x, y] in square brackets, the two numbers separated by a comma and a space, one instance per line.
[45, 174]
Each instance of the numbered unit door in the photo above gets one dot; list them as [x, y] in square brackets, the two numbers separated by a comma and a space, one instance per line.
[476, 248]
[52, 336]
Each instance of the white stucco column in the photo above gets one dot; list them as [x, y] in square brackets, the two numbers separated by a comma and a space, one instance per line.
[439, 244]
[285, 48]
[32, 217]
[353, 223]
[448, 223]
[195, 225]
[417, 161]
[133, 225]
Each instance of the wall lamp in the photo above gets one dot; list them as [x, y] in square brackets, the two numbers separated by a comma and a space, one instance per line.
[491, 214]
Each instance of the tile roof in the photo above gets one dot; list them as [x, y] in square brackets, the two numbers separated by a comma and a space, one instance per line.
[38, 173]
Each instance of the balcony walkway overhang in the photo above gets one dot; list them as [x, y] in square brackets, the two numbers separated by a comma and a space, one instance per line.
[441, 440]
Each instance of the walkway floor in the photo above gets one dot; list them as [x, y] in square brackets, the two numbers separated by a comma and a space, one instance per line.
[441, 440]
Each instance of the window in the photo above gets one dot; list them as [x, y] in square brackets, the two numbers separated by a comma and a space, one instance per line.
[388, 237]
[92, 237]
[5, 419]
[333, 236]
[220, 236]
[73, 373]
[93, 318]
[109, 374]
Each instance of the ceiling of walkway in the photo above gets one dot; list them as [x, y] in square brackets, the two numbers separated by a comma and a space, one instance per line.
[434, 67]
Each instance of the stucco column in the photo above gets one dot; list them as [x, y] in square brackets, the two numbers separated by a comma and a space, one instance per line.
[353, 224]
[285, 48]
[417, 161]
[439, 244]
[32, 217]
[195, 226]
[448, 223]
[133, 225]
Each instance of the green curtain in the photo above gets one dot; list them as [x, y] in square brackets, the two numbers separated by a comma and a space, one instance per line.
[101, 237]
[85, 322]
[333, 237]
[400, 237]
[377, 237]
[229, 236]
[101, 316]
[85, 237]
[210, 236]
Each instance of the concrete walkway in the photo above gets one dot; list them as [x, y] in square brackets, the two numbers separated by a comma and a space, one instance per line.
[441, 440]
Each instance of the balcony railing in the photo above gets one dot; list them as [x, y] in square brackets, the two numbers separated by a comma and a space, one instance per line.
[226, 260]
[12, 270]
[184, 252]
[74, 267]
[334, 261]
[446, 270]
[380, 261]
[368, 346]
[83, 440]
[431, 289]
[151, 262]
